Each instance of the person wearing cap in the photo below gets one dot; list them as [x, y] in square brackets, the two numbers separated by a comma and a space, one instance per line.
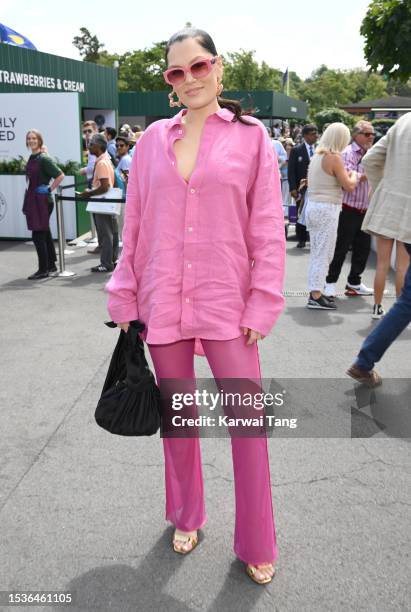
[103, 180]
[125, 129]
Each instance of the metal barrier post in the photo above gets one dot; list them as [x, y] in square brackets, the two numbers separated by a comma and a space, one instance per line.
[61, 237]
[63, 231]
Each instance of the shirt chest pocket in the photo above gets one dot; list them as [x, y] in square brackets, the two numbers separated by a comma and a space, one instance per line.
[234, 168]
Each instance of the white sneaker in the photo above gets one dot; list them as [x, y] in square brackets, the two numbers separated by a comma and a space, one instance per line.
[360, 289]
[330, 290]
[377, 312]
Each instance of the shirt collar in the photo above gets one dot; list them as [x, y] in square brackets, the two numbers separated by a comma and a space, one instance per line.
[356, 147]
[223, 113]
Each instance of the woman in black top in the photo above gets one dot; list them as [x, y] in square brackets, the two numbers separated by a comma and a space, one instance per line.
[38, 203]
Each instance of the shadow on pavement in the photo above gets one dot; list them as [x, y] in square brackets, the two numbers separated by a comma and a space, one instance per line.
[384, 409]
[293, 251]
[124, 588]
[80, 280]
[313, 318]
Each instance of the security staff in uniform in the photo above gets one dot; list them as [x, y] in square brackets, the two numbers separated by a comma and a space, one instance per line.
[298, 163]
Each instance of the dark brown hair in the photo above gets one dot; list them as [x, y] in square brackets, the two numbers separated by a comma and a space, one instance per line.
[37, 135]
[207, 43]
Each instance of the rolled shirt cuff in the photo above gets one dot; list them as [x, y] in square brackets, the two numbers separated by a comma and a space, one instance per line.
[123, 313]
[261, 321]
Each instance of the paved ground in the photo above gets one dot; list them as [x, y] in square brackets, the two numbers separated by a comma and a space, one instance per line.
[83, 511]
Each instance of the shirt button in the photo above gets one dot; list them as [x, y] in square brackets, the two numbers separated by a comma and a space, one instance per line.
[190, 229]
[187, 300]
[172, 163]
[189, 265]
[180, 131]
[192, 190]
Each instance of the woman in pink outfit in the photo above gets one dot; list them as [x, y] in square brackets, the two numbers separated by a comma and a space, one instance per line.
[203, 266]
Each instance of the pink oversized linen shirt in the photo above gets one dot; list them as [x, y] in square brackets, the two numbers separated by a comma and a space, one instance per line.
[204, 257]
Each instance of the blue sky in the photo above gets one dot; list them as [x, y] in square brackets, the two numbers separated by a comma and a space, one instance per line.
[297, 33]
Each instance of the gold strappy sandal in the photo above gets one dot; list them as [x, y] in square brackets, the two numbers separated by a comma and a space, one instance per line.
[184, 539]
[252, 569]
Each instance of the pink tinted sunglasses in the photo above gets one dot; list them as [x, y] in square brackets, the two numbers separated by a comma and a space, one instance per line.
[198, 70]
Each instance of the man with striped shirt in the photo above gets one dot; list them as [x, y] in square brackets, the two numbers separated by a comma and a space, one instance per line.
[354, 207]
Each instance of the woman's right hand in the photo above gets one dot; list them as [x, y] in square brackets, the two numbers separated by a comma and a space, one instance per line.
[123, 326]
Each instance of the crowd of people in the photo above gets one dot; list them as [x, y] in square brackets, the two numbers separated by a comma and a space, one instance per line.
[108, 156]
[346, 190]
[323, 177]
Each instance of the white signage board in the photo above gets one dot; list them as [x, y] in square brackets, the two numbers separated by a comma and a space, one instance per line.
[55, 115]
[13, 221]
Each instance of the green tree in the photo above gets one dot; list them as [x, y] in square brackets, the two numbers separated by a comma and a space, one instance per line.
[88, 46]
[142, 70]
[366, 86]
[327, 88]
[332, 115]
[242, 71]
[387, 31]
[295, 83]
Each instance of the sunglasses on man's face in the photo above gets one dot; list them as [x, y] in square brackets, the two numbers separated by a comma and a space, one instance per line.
[198, 70]
[368, 134]
[87, 131]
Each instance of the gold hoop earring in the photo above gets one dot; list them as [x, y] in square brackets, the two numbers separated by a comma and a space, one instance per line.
[171, 100]
[220, 89]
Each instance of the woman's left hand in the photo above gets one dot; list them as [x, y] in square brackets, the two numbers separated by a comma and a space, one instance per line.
[253, 335]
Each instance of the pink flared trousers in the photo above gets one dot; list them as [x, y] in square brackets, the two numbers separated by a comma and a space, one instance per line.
[254, 536]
